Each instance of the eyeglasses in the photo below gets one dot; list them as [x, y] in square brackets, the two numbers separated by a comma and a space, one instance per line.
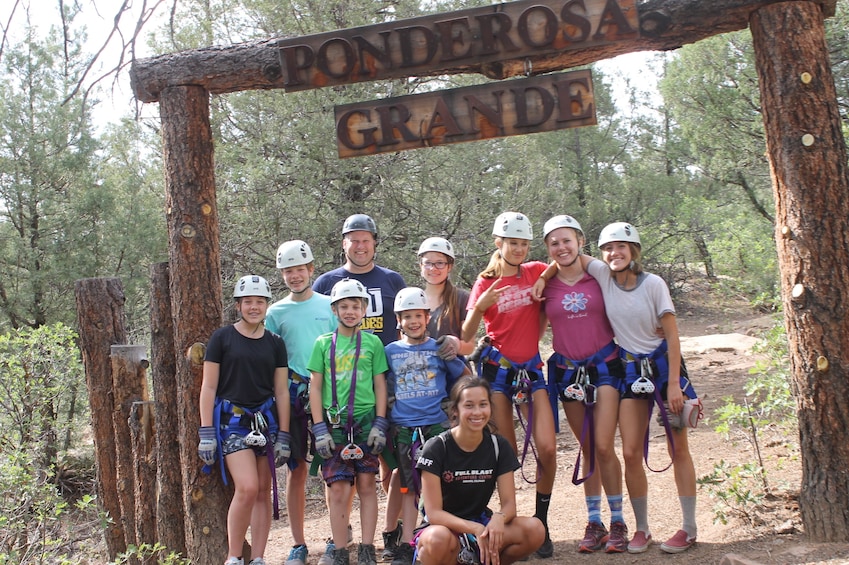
[437, 265]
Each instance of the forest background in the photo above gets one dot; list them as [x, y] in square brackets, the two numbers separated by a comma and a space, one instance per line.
[82, 192]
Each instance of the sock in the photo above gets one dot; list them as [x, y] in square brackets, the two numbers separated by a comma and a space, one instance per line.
[543, 501]
[688, 510]
[594, 508]
[641, 513]
[615, 503]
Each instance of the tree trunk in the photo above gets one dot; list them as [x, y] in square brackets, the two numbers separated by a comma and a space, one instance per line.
[128, 387]
[196, 307]
[100, 319]
[144, 471]
[807, 154]
[170, 530]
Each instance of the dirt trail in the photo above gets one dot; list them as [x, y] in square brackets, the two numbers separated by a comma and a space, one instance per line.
[719, 366]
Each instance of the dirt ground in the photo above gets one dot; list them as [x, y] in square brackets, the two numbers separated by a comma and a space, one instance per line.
[716, 341]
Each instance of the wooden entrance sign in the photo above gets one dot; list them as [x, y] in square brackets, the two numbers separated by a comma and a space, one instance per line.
[419, 46]
[486, 111]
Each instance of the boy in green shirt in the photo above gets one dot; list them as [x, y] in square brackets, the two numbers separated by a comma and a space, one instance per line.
[348, 405]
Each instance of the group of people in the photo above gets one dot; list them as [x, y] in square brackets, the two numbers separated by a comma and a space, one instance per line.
[362, 376]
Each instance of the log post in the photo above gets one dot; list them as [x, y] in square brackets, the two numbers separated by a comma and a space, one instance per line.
[128, 387]
[807, 154]
[100, 319]
[170, 529]
[141, 425]
[196, 307]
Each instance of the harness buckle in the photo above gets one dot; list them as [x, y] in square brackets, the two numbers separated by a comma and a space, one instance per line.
[521, 384]
[334, 416]
[351, 451]
[256, 437]
[642, 386]
[575, 391]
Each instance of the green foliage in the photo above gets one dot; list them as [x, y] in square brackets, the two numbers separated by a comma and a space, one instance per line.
[736, 490]
[146, 552]
[769, 403]
[71, 205]
[41, 409]
[768, 409]
[36, 524]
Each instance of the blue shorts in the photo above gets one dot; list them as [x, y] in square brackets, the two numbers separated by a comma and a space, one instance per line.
[661, 380]
[613, 377]
[501, 378]
[234, 440]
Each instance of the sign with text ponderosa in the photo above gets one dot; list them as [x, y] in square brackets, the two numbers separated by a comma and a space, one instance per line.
[486, 111]
[427, 44]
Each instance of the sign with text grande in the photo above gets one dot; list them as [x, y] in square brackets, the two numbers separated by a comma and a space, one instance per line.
[486, 111]
[427, 44]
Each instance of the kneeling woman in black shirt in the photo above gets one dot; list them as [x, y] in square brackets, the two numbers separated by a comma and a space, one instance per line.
[460, 469]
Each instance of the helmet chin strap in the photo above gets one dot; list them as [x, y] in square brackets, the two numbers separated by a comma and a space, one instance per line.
[421, 339]
[503, 258]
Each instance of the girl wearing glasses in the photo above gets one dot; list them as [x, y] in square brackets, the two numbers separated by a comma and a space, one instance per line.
[447, 303]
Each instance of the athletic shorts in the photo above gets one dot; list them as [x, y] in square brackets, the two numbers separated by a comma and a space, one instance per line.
[338, 469]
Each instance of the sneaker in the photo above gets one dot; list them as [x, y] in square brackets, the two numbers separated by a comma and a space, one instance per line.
[257, 561]
[618, 540]
[365, 554]
[390, 543]
[640, 542]
[595, 537]
[403, 554]
[681, 541]
[234, 561]
[298, 555]
[327, 557]
[341, 557]
[546, 550]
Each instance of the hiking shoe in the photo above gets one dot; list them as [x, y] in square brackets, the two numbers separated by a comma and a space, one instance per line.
[546, 550]
[595, 537]
[298, 555]
[618, 540]
[234, 561]
[681, 541]
[365, 554]
[327, 558]
[640, 542]
[390, 542]
[341, 557]
[403, 554]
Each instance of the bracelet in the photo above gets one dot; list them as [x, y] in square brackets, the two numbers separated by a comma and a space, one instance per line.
[499, 513]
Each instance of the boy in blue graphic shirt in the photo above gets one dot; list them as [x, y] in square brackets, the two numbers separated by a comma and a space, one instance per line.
[419, 381]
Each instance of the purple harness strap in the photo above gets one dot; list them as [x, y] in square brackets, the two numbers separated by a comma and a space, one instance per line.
[523, 381]
[587, 433]
[349, 426]
[656, 398]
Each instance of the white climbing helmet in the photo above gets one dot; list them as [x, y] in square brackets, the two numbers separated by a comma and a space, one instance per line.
[562, 221]
[618, 231]
[438, 244]
[411, 298]
[348, 288]
[293, 253]
[252, 285]
[513, 224]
